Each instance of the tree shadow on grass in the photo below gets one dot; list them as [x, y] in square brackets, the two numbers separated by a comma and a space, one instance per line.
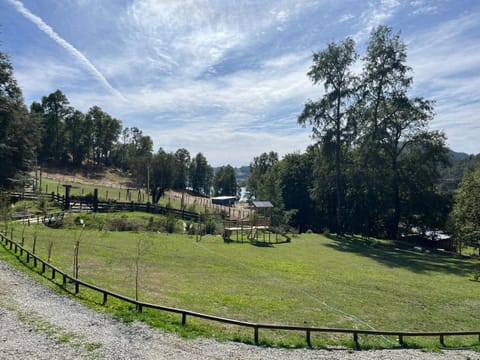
[401, 255]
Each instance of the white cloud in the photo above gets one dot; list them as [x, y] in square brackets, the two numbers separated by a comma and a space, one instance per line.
[378, 13]
[422, 7]
[50, 76]
[445, 61]
[346, 17]
[183, 40]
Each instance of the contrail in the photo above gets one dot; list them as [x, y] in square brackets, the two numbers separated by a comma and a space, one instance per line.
[65, 44]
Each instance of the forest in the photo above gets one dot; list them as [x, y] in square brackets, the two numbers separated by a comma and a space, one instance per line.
[374, 168]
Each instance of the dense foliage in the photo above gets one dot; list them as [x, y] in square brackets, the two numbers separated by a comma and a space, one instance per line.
[225, 182]
[375, 167]
[18, 129]
[465, 217]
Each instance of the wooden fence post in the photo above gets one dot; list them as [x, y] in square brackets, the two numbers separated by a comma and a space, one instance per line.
[309, 342]
[184, 318]
[355, 340]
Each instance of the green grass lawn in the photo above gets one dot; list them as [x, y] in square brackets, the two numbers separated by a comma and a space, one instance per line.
[313, 280]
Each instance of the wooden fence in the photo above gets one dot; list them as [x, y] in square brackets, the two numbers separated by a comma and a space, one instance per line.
[20, 251]
[82, 202]
[108, 206]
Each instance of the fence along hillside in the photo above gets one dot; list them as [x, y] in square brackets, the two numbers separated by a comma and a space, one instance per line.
[93, 202]
[55, 273]
[87, 204]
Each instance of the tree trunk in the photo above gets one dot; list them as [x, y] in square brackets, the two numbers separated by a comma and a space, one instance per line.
[338, 172]
[396, 202]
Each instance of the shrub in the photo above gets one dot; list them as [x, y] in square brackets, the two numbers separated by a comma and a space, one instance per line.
[123, 224]
[210, 226]
[170, 224]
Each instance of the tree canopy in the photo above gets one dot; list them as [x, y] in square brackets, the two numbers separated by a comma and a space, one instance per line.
[18, 129]
[465, 217]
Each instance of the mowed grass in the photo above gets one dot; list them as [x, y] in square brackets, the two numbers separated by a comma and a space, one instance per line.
[313, 281]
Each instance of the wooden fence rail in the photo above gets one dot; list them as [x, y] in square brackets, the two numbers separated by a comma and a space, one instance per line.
[12, 245]
[112, 205]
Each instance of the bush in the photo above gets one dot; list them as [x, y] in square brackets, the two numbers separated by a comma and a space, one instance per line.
[210, 226]
[123, 224]
[170, 224]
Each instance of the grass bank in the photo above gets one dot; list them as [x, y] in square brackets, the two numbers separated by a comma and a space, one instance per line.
[314, 281]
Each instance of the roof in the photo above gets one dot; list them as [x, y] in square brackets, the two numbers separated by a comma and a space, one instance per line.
[262, 204]
[224, 198]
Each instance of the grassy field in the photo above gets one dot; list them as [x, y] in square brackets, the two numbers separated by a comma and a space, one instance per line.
[117, 193]
[104, 192]
[314, 281]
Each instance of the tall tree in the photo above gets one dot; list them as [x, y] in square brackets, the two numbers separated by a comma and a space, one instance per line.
[258, 168]
[55, 108]
[134, 154]
[183, 161]
[394, 124]
[330, 117]
[74, 136]
[201, 175]
[225, 181]
[465, 216]
[162, 174]
[106, 131]
[18, 130]
[295, 175]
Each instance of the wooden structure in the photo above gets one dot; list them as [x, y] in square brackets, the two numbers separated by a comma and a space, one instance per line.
[255, 228]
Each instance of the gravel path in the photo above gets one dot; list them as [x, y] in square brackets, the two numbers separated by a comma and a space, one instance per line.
[37, 323]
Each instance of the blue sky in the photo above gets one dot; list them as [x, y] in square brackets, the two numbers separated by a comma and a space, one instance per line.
[228, 78]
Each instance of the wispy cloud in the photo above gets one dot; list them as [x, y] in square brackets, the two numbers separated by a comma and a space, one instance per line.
[379, 12]
[421, 7]
[37, 81]
[65, 44]
[445, 61]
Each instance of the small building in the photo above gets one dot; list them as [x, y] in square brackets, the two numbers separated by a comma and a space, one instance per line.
[224, 200]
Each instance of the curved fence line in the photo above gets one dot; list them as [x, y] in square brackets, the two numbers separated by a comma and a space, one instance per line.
[21, 251]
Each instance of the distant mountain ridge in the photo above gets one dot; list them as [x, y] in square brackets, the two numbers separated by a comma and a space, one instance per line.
[459, 162]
